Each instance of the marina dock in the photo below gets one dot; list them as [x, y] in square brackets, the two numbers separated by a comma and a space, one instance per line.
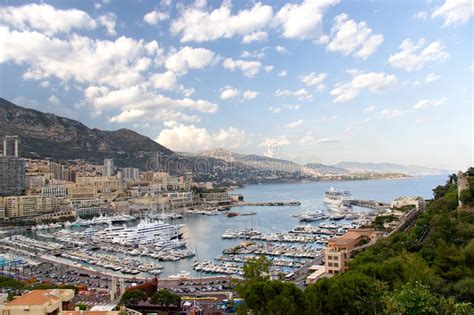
[268, 204]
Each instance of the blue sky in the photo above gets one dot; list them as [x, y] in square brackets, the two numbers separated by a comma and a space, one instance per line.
[311, 81]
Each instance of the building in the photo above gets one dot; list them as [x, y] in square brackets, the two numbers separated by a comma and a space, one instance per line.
[101, 183]
[316, 272]
[340, 249]
[109, 168]
[10, 146]
[409, 202]
[54, 191]
[27, 206]
[59, 171]
[130, 173]
[40, 302]
[12, 176]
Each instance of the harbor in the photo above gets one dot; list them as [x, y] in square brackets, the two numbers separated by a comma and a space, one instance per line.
[274, 231]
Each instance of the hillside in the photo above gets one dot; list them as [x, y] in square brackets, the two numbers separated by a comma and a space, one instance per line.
[47, 135]
[426, 269]
[258, 162]
[412, 170]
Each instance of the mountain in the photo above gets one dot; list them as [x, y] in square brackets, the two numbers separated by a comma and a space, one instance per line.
[47, 135]
[258, 162]
[327, 169]
[412, 170]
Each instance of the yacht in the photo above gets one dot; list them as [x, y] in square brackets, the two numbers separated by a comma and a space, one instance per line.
[147, 233]
[337, 199]
[310, 216]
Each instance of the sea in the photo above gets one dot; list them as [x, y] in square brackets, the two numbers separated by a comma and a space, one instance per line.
[203, 233]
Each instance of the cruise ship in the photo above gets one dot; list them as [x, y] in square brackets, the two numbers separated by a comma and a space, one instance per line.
[147, 233]
[335, 199]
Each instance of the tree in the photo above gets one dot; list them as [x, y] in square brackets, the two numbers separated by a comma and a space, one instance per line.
[133, 297]
[413, 298]
[256, 269]
[165, 298]
[273, 297]
[82, 307]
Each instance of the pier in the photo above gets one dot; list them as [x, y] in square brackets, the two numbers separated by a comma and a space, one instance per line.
[371, 204]
[268, 203]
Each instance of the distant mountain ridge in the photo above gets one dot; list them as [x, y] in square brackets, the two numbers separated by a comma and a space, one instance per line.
[413, 170]
[47, 135]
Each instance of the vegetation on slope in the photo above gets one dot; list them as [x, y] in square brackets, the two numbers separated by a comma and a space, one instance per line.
[426, 270]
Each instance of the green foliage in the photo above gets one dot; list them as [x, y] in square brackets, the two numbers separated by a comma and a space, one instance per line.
[82, 307]
[466, 196]
[256, 269]
[273, 298]
[412, 298]
[8, 282]
[133, 297]
[165, 297]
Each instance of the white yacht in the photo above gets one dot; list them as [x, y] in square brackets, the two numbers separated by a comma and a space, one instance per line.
[310, 216]
[147, 233]
[337, 199]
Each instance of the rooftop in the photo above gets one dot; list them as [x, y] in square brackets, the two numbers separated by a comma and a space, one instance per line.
[41, 297]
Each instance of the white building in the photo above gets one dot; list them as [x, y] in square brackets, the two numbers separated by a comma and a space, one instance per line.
[109, 168]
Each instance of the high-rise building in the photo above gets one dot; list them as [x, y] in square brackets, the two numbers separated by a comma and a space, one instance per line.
[12, 168]
[10, 146]
[12, 176]
[59, 171]
[130, 173]
[109, 167]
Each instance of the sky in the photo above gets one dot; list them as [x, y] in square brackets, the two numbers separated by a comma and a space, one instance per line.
[310, 81]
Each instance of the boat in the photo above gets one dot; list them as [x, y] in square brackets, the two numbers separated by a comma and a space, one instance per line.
[310, 216]
[337, 217]
[183, 275]
[147, 233]
[337, 199]
[232, 214]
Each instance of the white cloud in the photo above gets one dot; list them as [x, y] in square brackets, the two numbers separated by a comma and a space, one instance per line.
[258, 54]
[413, 57]
[44, 84]
[228, 92]
[189, 58]
[268, 68]
[293, 107]
[294, 124]
[373, 81]
[349, 37]
[281, 50]
[426, 103]
[195, 23]
[143, 115]
[390, 113]
[307, 138]
[431, 77]
[108, 21]
[274, 109]
[421, 15]
[249, 68]
[454, 12]
[190, 138]
[154, 17]
[282, 73]
[250, 95]
[168, 81]
[369, 109]
[117, 63]
[46, 18]
[314, 80]
[255, 37]
[303, 20]
[301, 94]
[54, 100]
[274, 146]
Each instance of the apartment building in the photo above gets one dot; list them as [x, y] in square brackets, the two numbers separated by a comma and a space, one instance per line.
[40, 302]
